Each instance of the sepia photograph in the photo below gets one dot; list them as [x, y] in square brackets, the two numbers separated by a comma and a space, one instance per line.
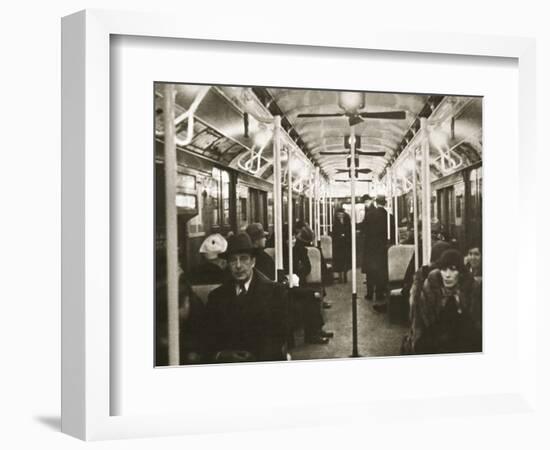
[307, 224]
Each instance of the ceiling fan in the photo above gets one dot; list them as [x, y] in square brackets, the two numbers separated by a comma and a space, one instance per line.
[357, 170]
[357, 152]
[351, 103]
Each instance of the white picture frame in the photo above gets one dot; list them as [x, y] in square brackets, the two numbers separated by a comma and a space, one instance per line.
[87, 356]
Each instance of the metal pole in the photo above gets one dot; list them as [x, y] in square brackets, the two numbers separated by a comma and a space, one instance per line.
[290, 221]
[325, 218]
[330, 211]
[415, 212]
[170, 177]
[388, 196]
[426, 194]
[277, 195]
[396, 210]
[317, 209]
[310, 203]
[355, 349]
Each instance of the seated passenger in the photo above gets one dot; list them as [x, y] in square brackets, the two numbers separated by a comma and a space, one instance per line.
[300, 260]
[301, 225]
[246, 317]
[326, 274]
[473, 259]
[191, 313]
[191, 316]
[264, 262]
[213, 270]
[309, 304]
[438, 247]
[447, 310]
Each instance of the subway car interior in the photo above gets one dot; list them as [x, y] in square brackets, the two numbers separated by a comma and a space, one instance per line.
[309, 168]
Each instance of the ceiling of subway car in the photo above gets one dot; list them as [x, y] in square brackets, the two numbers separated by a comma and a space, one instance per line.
[222, 133]
[327, 134]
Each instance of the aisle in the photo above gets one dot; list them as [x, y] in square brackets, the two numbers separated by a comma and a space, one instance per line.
[376, 336]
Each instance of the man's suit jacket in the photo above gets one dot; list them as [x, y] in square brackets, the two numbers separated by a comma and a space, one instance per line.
[255, 323]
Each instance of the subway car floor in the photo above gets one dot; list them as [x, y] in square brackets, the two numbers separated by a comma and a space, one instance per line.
[376, 335]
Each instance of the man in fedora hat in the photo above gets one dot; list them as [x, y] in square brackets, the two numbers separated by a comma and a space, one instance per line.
[376, 250]
[264, 262]
[246, 316]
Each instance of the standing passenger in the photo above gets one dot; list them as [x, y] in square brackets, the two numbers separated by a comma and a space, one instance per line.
[369, 206]
[376, 249]
[341, 245]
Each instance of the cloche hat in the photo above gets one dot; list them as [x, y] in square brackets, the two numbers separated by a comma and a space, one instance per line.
[213, 245]
[451, 258]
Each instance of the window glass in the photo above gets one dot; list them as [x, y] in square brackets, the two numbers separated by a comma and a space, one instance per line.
[225, 197]
[186, 182]
[186, 201]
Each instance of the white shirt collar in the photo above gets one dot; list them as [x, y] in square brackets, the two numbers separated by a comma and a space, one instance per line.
[246, 285]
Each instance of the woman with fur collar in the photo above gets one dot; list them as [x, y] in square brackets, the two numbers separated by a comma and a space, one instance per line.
[446, 314]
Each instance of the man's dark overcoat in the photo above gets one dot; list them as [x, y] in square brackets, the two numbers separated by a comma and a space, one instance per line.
[255, 323]
[376, 243]
[341, 244]
[265, 264]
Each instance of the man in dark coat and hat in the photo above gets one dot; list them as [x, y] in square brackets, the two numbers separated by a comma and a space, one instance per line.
[376, 248]
[245, 318]
[341, 244]
[369, 206]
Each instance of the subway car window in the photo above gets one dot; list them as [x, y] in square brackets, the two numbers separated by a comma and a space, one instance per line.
[306, 224]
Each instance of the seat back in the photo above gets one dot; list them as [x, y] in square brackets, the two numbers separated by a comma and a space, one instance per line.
[202, 290]
[314, 255]
[326, 247]
[399, 257]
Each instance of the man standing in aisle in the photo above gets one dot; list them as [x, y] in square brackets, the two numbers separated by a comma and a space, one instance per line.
[369, 206]
[376, 247]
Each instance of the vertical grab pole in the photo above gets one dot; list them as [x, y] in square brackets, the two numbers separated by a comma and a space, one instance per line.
[325, 206]
[426, 193]
[396, 210]
[310, 204]
[415, 212]
[317, 209]
[170, 176]
[330, 210]
[355, 349]
[290, 220]
[388, 204]
[320, 212]
[277, 196]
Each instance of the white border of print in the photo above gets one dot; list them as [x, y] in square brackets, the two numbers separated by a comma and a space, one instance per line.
[138, 387]
[87, 286]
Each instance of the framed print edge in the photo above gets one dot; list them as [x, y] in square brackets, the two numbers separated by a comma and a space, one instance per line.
[86, 172]
[72, 216]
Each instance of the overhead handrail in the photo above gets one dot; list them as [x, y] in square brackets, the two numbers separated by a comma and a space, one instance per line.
[254, 157]
[190, 116]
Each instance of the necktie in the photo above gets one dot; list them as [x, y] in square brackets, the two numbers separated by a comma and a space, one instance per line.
[242, 290]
